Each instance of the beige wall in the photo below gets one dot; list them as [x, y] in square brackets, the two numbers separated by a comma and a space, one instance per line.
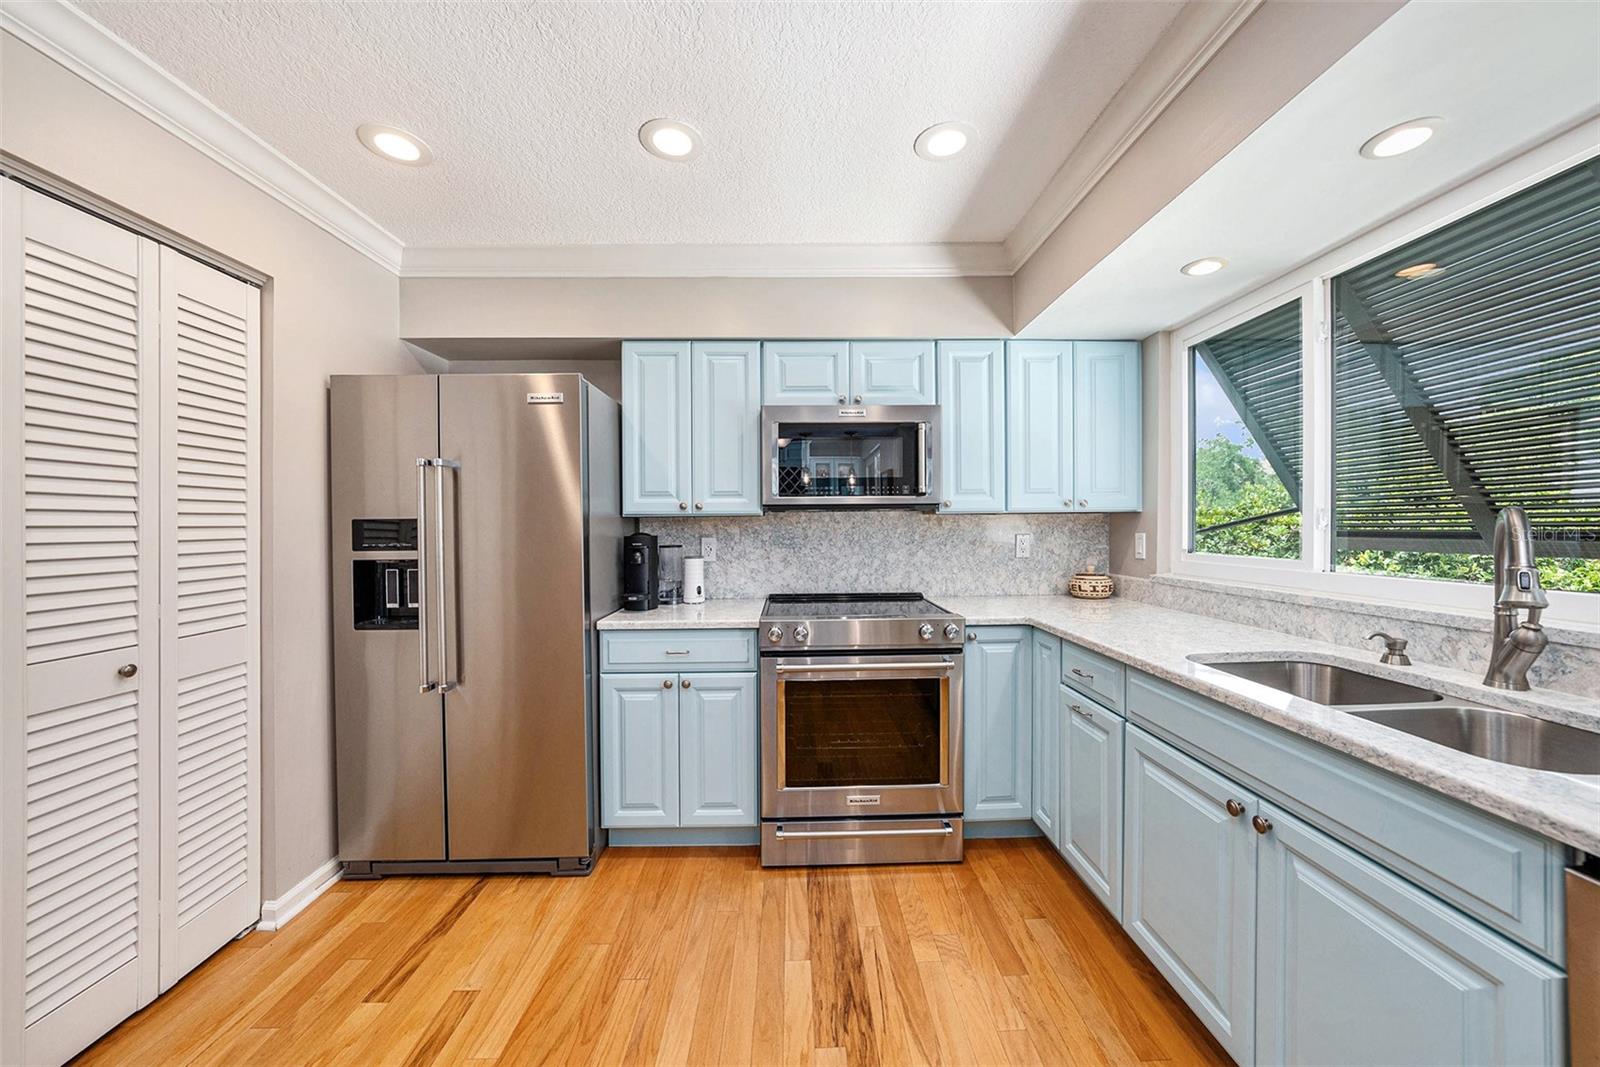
[327, 309]
[705, 307]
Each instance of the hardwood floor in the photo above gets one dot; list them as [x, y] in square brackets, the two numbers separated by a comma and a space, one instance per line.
[680, 956]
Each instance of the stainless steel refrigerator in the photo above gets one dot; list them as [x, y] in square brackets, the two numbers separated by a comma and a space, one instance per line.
[476, 539]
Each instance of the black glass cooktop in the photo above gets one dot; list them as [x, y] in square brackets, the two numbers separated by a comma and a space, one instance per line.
[849, 606]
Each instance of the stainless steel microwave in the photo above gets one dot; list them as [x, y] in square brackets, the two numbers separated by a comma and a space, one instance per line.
[850, 457]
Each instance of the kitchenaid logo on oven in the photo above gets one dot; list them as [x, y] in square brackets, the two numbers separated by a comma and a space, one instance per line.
[858, 799]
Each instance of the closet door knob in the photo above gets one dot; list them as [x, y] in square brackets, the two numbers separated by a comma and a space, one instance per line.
[127, 670]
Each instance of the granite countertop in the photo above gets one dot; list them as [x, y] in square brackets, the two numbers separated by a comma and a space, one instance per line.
[1167, 645]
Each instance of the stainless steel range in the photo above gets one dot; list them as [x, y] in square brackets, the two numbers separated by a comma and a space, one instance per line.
[860, 730]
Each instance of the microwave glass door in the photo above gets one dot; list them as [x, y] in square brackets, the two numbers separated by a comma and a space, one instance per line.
[830, 459]
[863, 732]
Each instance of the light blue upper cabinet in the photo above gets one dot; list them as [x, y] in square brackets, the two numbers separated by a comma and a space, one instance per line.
[998, 704]
[891, 372]
[805, 372]
[1047, 739]
[1189, 884]
[1039, 438]
[725, 427]
[1107, 420]
[717, 749]
[1341, 943]
[972, 410]
[655, 427]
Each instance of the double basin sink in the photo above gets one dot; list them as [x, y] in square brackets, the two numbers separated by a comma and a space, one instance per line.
[1503, 736]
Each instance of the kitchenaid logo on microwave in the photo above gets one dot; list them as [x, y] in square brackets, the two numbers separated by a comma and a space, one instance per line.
[862, 798]
[547, 398]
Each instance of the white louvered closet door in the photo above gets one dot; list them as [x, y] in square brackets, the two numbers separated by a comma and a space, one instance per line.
[79, 670]
[210, 576]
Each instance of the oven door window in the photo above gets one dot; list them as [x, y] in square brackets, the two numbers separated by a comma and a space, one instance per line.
[862, 732]
[827, 459]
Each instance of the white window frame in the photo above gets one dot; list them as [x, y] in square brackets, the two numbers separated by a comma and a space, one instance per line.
[1312, 284]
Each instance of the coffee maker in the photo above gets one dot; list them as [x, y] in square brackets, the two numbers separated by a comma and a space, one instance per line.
[641, 563]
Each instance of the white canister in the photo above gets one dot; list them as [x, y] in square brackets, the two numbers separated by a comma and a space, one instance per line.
[694, 580]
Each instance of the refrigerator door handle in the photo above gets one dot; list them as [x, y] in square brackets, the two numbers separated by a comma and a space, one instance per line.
[447, 681]
[425, 682]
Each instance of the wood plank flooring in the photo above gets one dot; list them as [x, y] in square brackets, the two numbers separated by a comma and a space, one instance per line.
[685, 956]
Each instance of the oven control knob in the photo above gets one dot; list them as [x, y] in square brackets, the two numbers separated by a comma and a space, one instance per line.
[775, 634]
[925, 631]
[952, 631]
[801, 632]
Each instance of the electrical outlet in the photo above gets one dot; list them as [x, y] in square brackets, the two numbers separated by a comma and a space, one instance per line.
[1024, 546]
[1138, 545]
[708, 549]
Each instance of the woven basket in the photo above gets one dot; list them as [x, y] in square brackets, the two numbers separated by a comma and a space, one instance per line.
[1090, 586]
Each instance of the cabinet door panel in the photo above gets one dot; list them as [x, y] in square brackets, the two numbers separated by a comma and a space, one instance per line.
[999, 725]
[1341, 942]
[725, 421]
[1107, 421]
[718, 754]
[1047, 735]
[1189, 897]
[972, 407]
[639, 750]
[1039, 426]
[1091, 796]
[655, 427]
[891, 372]
[805, 372]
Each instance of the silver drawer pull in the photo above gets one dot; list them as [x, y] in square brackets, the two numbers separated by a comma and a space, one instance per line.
[1083, 674]
[796, 668]
[1079, 709]
[941, 831]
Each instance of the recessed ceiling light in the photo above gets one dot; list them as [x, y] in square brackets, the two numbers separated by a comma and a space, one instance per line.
[1201, 267]
[395, 144]
[944, 140]
[670, 140]
[1397, 140]
[1418, 270]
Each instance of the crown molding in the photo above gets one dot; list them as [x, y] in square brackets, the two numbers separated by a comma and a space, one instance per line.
[95, 54]
[709, 261]
[1194, 37]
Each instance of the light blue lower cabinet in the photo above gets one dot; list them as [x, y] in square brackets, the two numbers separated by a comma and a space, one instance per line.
[1189, 895]
[1356, 966]
[997, 702]
[1090, 815]
[717, 750]
[1047, 735]
[639, 750]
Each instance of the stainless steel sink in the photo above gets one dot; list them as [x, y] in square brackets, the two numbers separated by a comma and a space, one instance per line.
[1504, 736]
[1325, 683]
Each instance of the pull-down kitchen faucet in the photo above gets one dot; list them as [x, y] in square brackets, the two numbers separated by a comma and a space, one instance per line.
[1516, 588]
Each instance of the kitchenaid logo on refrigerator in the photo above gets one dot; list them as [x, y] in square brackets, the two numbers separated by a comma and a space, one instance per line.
[547, 398]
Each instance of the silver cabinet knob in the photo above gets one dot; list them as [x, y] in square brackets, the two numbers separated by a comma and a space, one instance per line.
[1083, 503]
[684, 682]
[952, 631]
[947, 503]
[1261, 823]
[858, 398]
[925, 631]
[682, 506]
[1068, 503]
[802, 632]
[667, 684]
[971, 636]
[699, 506]
[774, 634]
[842, 398]
[127, 670]
[1235, 808]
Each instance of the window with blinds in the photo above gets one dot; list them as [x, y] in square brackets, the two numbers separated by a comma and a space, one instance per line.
[1246, 445]
[1466, 378]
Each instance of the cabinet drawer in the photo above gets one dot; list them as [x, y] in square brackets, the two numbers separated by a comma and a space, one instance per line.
[1505, 876]
[1093, 675]
[678, 650]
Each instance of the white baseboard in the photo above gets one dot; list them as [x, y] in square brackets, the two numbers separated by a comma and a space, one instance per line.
[275, 914]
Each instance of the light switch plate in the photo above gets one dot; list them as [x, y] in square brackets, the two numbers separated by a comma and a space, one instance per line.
[1138, 545]
[708, 549]
[1024, 546]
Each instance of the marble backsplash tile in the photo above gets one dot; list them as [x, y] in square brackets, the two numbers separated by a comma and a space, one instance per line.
[864, 551]
[1570, 664]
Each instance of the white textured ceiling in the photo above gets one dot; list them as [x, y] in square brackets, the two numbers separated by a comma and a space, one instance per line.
[532, 110]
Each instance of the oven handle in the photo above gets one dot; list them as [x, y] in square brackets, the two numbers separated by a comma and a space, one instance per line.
[942, 831]
[831, 668]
